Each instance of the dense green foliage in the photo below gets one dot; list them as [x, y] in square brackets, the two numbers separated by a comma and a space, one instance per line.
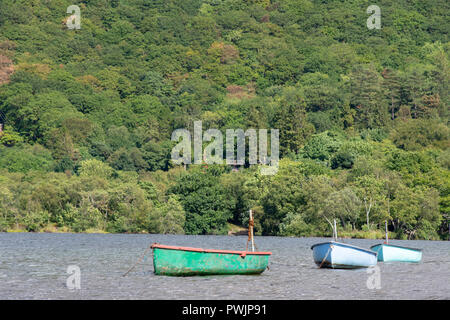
[362, 114]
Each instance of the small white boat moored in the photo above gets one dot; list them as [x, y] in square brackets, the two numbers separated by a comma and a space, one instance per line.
[390, 253]
[343, 256]
[340, 255]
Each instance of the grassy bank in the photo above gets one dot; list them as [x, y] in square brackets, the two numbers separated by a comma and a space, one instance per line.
[233, 230]
[365, 234]
[52, 228]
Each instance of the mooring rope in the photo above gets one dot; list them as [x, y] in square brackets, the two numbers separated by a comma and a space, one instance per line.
[145, 252]
[326, 256]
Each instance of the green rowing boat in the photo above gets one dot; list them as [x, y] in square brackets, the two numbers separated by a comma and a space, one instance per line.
[185, 261]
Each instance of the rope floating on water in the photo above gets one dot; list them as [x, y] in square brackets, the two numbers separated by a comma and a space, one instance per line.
[145, 252]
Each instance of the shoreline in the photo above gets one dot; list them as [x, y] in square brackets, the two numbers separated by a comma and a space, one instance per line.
[99, 232]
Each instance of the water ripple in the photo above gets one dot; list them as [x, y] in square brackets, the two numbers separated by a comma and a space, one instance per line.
[34, 266]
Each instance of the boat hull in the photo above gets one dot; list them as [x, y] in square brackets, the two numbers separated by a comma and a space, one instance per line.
[342, 256]
[183, 261]
[391, 253]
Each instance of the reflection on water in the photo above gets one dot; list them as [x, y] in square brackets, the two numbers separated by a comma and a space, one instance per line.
[34, 266]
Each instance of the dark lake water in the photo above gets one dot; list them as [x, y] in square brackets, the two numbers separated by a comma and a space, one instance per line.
[34, 266]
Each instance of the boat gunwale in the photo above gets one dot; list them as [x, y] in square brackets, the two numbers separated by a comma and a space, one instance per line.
[346, 245]
[395, 246]
[201, 250]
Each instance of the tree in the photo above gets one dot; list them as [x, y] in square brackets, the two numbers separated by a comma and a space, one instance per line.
[416, 88]
[128, 160]
[26, 158]
[282, 198]
[392, 87]
[343, 205]
[205, 201]
[418, 133]
[291, 120]
[367, 96]
[370, 192]
[343, 159]
[168, 218]
[416, 212]
[93, 167]
[322, 146]
[8, 137]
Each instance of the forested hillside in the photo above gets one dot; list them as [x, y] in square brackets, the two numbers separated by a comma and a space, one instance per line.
[362, 113]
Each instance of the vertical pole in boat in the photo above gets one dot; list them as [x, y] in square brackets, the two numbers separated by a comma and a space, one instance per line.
[385, 223]
[335, 231]
[251, 230]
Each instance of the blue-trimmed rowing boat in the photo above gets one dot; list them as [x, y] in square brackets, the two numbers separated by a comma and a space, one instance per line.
[343, 256]
[388, 252]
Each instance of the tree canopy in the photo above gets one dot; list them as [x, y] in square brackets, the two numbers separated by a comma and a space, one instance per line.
[87, 115]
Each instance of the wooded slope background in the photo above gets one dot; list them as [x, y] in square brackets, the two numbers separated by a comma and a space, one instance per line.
[88, 115]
